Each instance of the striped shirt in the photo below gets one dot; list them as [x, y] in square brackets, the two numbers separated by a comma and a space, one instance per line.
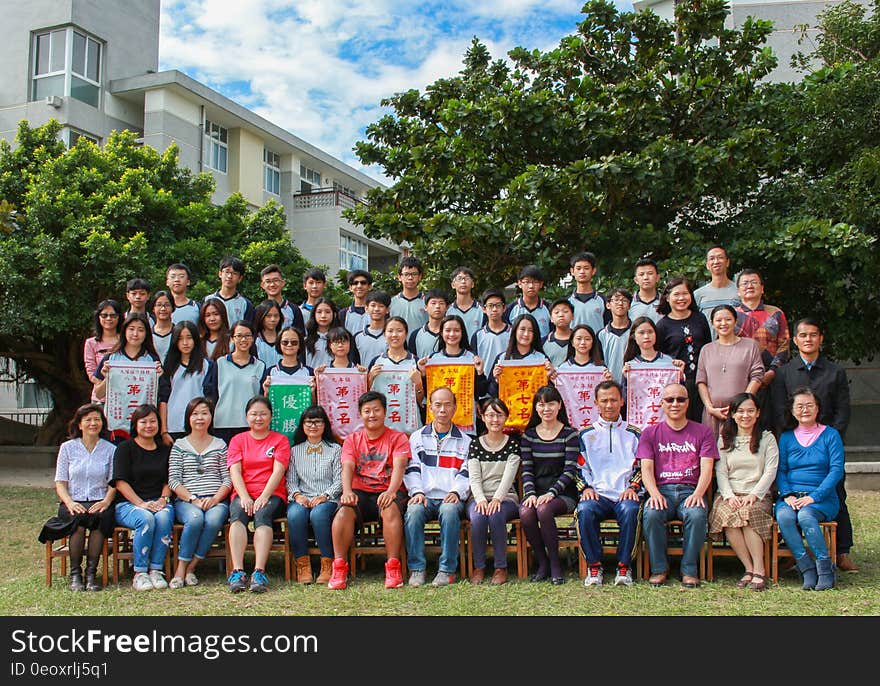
[202, 473]
[86, 473]
[315, 470]
[550, 466]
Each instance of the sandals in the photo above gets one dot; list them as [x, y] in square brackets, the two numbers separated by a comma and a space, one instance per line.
[759, 582]
[746, 579]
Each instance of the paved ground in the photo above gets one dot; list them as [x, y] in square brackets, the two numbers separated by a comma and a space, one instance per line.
[27, 476]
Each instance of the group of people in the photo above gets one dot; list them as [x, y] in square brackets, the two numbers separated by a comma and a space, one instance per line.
[205, 455]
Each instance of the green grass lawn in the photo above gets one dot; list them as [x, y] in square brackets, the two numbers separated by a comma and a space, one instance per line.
[23, 590]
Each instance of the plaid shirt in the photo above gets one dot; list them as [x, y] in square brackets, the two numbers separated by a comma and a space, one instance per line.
[765, 324]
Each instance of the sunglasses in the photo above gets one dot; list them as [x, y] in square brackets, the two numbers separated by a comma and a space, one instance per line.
[681, 399]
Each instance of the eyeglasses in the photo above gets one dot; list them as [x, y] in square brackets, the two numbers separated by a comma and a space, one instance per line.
[162, 306]
[529, 282]
[313, 422]
[360, 283]
[407, 275]
[800, 407]
[461, 278]
[680, 399]
[290, 343]
[619, 299]
[242, 336]
[750, 283]
[494, 306]
[110, 315]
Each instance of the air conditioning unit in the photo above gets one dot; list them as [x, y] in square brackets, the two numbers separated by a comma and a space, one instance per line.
[54, 101]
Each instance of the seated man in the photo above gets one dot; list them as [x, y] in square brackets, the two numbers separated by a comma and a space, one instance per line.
[677, 461]
[438, 484]
[609, 483]
[373, 461]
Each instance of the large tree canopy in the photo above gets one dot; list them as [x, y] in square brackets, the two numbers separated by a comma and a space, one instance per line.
[629, 127]
[78, 223]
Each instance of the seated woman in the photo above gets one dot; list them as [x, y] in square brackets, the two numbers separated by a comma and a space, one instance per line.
[84, 466]
[549, 449]
[143, 498]
[314, 484]
[199, 477]
[745, 473]
[493, 461]
[810, 465]
[257, 460]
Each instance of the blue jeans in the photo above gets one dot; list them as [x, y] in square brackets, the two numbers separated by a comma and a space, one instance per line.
[200, 528]
[321, 517]
[807, 520]
[449, 516]
[152, 533]
[654, 529]
[496, 525]
[591, 513]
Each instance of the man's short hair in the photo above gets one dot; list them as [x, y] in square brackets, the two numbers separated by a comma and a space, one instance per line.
[180, 266]
[410, 262]
[565, 302]
[370, 396]
[619, 291]
[137, 284]
[355, 273]
[314, 273]
[434, 293]
[606, 385]
[467, 271]
[531, 271]
[271, 269]
[809, 321]
[748, 271]
[492, 293]
[442, 388]
[583, 257]
[718, 247]
[646, 262]
[234, 262]
[380, 297]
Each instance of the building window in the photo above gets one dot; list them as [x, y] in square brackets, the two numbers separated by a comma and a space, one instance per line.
[73, 136]
[310, 179]
[271, 172]
[216, 146]
[352, 253]
[351, 192]
[67, 62]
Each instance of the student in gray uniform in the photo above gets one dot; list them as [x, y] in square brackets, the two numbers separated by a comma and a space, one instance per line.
[409, 303]
[588, 303]
[615, 334]
[530, 282]
[324, 318]
[268, 322]
[465, 305]
[423, 341]
[370, 341]
[354, 317]
[647, 297]
[184, 377]
[721, 290]
[314, 283]
[491, 340]
[237, 306]
[272, 283]
[555, 344]
[178, 278]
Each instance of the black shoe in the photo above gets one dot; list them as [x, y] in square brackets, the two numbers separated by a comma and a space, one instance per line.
[92, 583]
[557, 581]
[76, 580]
[539, 576]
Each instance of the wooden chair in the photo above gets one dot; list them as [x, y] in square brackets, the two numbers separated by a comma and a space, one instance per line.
[722, 549]
[368, 540]
[567, 533]
[609, 537]
[123, 553]
[829, 529]
[61, 550]
[674, 528]
[280, 544]
[216, 551]
[516, 543]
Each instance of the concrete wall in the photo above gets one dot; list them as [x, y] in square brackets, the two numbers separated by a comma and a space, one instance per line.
[168, 118]
[245, 167]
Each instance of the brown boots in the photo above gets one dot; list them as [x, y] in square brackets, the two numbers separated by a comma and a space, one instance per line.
[303, 570]
[326, 570]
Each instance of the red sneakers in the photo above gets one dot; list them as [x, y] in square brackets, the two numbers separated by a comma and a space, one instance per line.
[339, 576]
[393, 573]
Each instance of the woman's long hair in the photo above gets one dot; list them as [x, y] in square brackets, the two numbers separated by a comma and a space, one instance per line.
[547, 394]
[729, 428]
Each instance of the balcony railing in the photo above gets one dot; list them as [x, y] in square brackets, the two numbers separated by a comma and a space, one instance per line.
[322, 198]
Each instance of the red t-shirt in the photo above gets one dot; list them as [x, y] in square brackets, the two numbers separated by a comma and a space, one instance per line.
[374, 459]
[257, 459]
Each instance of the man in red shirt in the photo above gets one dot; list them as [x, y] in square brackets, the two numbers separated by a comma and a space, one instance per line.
[373, 461]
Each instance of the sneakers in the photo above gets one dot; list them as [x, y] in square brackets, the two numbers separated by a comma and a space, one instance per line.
[238, 581]
[191, 579]
[594, 575]
[443, 579]
[259, 581]
[176, 582]
[157, 578]
[417, 578]
[624, 576]
[142, 582]
[393, 573]
[339, 574]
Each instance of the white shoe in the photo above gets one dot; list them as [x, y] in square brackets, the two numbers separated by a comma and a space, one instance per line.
[417, 578]
[594, 576]
[176, 582]
[157, 577]
[191, 579]
[624, 576]
[142, 582]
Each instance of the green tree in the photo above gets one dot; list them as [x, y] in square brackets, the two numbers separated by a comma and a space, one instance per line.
[78, 223]
[627, 139]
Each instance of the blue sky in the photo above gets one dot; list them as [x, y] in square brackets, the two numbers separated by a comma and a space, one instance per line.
[319, 68]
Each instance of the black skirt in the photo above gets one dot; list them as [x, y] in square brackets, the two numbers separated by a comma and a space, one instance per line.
[64, 524]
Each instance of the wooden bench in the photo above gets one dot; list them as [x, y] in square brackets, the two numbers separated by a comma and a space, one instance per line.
[280, 544]
[609, 537]
[123, 553]
[61, 550]
[516, 543]
[829, 529]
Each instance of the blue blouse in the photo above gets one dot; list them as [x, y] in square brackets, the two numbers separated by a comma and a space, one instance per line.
[815, 469]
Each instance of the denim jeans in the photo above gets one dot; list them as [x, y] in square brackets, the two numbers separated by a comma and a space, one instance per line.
[321, 517]
[496, 525]
[200, 528]
[591, 513]
[449, 515]
[152, 533]
[654, 529]
[807, 520]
